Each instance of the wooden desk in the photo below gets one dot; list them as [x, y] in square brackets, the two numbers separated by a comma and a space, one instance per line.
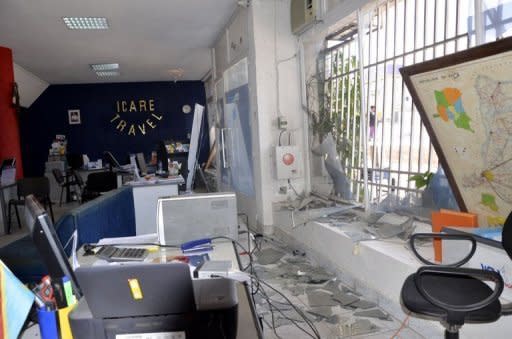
[248, 323]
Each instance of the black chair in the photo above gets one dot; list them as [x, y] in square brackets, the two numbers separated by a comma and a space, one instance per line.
[39, 187]
[65, 183]
[455, 295]
[98, 183]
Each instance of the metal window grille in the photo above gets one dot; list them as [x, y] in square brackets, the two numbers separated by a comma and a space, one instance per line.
[397, 33]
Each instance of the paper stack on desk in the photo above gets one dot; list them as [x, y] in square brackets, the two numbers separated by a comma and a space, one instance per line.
[151, 238]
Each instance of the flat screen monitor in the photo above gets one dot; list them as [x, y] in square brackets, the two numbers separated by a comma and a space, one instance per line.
[189, 217]
[109, 157]
[141, 163]
[162, 157]
[47, 243]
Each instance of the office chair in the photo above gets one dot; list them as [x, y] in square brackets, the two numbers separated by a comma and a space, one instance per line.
[455, 295]
[39, 187]
[98, 183]
[65, 182]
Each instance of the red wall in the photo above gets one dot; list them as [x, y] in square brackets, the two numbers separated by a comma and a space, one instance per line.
[9, 129]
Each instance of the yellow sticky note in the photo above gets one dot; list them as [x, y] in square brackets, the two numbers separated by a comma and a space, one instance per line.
[65, 329]
[135, 289]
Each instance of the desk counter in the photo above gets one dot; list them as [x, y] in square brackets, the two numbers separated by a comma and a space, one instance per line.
[248, 323]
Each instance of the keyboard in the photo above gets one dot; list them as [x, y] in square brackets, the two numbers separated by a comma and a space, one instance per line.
[112, 253]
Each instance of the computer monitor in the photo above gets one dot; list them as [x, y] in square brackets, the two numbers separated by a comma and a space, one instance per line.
[109, 158]
[162, 156]
[189, 217]
[47, 243]
[141, 163]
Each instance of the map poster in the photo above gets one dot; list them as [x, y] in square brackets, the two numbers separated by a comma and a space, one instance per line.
[465, 102]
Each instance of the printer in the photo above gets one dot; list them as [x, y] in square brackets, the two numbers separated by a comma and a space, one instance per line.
[153, 301]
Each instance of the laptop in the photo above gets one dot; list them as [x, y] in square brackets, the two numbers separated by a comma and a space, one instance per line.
[137, 289]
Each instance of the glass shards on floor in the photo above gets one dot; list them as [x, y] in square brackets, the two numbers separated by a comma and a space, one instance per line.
[304, 300]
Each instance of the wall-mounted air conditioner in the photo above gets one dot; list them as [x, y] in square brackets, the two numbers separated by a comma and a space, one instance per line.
[303, 14]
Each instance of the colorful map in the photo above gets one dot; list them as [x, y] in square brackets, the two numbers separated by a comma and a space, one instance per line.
[467, 107]
[449, 107]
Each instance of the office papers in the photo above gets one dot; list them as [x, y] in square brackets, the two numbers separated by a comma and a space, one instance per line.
[15, 304]
[153, 180]
[151, 238]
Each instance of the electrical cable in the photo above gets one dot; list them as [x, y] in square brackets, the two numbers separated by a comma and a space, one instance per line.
[248, 231]
[262, 282]
[310, 324]
[294, 321]
[404, 323]
[294, 190]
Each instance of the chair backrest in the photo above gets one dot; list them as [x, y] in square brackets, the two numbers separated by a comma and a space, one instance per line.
[58, 176]
[506, 236]
[101, 181]
[38, 186]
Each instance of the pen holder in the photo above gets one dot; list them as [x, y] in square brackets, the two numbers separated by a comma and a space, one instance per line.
[48, 323]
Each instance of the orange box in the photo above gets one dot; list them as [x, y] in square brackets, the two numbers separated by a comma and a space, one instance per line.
[445, 218]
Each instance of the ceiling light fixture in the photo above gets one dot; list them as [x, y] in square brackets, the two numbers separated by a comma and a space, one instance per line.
[108, 73]
[85, 23]
[104, 67]
[176, 73]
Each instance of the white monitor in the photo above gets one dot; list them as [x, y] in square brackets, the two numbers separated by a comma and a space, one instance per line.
[190, 217]
[141, 163]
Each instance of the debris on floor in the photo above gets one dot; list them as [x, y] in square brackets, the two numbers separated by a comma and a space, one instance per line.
[325, 303]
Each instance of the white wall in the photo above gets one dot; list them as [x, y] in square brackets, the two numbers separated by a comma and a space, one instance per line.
[30, 86]
[274, 52]
[273, 44]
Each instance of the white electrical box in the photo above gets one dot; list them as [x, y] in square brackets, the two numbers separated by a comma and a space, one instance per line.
[288, 160]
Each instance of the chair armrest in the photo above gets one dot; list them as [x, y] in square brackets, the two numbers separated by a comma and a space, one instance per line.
[463, 272]
[446, 237]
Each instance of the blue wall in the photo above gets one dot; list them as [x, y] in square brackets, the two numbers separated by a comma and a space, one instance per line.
[97, 103]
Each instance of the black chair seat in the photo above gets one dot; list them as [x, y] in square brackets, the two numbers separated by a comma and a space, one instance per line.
[455, 290]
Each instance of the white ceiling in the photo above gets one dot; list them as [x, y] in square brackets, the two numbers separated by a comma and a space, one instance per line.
[146, 37]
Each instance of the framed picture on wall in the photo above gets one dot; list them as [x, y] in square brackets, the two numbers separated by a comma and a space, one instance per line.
[74, 117]
[465, 102]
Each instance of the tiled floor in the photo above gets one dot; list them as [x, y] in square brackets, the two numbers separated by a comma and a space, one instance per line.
[332, 308]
